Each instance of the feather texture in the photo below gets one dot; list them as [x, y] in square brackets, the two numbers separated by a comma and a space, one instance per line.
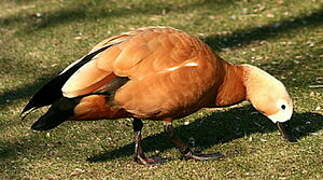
[168, 73]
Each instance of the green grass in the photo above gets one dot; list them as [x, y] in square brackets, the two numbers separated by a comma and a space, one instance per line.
[284, 37]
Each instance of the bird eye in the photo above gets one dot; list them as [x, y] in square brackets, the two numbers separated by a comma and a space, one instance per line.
[283, 107]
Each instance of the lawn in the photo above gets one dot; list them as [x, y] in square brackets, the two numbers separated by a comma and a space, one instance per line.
[284, 37]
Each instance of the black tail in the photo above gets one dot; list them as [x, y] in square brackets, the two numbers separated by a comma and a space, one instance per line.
[59, 112]
[49, 120]
[51, 92]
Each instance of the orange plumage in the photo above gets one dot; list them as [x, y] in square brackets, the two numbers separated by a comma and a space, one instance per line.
[161, 63]
[155, 73]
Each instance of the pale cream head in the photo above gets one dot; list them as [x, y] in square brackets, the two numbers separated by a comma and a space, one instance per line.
[267, 94]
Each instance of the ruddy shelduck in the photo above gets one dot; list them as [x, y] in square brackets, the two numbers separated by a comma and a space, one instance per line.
[158, 73]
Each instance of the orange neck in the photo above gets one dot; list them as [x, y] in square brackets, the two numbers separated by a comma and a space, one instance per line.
[232, 90]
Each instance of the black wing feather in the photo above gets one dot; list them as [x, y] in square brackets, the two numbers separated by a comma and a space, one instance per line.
[52, 90]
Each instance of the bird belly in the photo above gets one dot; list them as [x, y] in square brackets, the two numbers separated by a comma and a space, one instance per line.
[96, 107]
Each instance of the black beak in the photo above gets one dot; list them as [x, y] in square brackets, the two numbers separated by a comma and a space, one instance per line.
[285, 131]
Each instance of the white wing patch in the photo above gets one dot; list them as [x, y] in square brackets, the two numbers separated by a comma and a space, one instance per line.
[172, 68]
[190, 64]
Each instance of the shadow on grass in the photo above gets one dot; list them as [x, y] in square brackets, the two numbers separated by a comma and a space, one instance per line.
[9, 96]
[95, 10]
[17, 152]
[220, 127]
[12, 149]
[216, 128]
[246, 36]
[24, 1]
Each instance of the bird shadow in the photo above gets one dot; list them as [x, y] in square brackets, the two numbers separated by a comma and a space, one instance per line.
[218, 128]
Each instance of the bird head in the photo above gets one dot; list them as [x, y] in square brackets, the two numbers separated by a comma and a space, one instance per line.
[270, 97]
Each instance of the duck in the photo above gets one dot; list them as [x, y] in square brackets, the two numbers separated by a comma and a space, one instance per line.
[157, 73]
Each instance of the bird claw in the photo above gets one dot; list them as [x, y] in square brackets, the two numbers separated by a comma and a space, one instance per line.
[202, 157]
[150, 161]
[144, 161]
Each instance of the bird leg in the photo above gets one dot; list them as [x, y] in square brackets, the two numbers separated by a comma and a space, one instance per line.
[139, 155]
[184, 149]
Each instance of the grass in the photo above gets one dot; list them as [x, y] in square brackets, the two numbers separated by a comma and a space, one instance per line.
[284, 37]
